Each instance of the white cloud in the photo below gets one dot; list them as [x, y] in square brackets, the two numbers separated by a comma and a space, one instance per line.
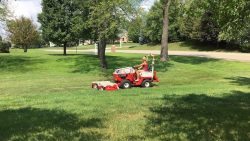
[147, 4]
[26, 8]
[31, 8]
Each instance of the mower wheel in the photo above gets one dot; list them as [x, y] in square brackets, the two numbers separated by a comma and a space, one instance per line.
[146, 84]
[101, 89]
[125, 84]
[95, 86]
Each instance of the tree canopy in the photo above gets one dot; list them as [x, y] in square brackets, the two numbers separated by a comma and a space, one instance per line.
[3, 10]
[61, 21]
[22, 32]
[106, 19]
[209, 21]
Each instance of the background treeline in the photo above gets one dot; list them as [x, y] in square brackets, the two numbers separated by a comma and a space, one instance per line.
[223, 23]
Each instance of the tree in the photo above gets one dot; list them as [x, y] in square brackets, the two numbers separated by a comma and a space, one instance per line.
[106, 19]
[137, 25]
[135, 30]
[209, 31]
[22, 32]
[62, 21]
[164, 40]
[233, 20]
[3, 10]
[154, 21]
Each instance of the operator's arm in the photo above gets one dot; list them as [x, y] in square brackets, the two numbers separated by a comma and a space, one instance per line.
[138, 66]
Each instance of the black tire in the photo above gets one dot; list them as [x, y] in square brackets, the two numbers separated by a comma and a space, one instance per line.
[125, 84]
[101, 89]
[146, 84]
[95, 86]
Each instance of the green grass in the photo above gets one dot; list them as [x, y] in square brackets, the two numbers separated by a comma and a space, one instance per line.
[179, 46]
[48, 97]
[84, 47]
[176, 46]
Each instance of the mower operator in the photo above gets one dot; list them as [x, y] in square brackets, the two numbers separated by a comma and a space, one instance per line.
[142, 67]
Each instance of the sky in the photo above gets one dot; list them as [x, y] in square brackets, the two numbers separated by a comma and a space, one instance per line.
[26, 8]
[31, 8]
[147, 4]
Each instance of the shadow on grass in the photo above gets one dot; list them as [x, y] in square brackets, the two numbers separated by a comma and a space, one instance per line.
[40, 124]
[192, 60]
[18, 63]
[241, 81]
[201, 118]
[68, 55]
[207, 47]
[87, 63]
[132, 46]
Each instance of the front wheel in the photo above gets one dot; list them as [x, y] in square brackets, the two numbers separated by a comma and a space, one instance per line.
[146, 84]
[101, 89]
[125, 84]
[95, 86]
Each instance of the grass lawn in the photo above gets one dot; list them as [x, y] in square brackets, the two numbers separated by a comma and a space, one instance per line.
[48, 97]
[177, 46]
[84, 47]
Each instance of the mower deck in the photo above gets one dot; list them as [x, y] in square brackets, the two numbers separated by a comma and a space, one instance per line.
[105, 85]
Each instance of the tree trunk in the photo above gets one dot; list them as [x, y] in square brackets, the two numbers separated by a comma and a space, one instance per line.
[101, 51]
[98, 50]
[164, 40]
[25, 49]
[65, 49]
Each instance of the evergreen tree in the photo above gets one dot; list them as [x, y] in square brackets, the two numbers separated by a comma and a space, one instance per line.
[62, 21]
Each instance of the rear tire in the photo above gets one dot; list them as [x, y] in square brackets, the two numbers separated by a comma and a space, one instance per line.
[95, 86]
[101, 89]
[125, 84]
[146, 84]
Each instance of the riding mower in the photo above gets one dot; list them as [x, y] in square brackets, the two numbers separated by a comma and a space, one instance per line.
[126, 78]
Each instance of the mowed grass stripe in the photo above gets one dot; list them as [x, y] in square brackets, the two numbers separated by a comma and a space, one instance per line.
[49, 97]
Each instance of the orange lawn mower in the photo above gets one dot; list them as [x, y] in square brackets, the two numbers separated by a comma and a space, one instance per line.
[126, 78]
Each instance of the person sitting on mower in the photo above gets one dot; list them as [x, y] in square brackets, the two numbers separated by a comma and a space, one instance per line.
[142, 67]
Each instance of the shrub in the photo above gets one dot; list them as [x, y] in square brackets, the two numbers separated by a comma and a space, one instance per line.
[245, 47]
[4, 47]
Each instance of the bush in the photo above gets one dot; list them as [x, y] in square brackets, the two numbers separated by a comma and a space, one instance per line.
[245, 47]
[4, 47]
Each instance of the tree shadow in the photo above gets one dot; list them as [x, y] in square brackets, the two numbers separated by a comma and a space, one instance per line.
[135, 138]
[18, 63]
[68, 55]
[201, 118]
[242, 81]
[192, 60]
[41, 124]
[132, 46]
[200, 46]
[87, 63]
